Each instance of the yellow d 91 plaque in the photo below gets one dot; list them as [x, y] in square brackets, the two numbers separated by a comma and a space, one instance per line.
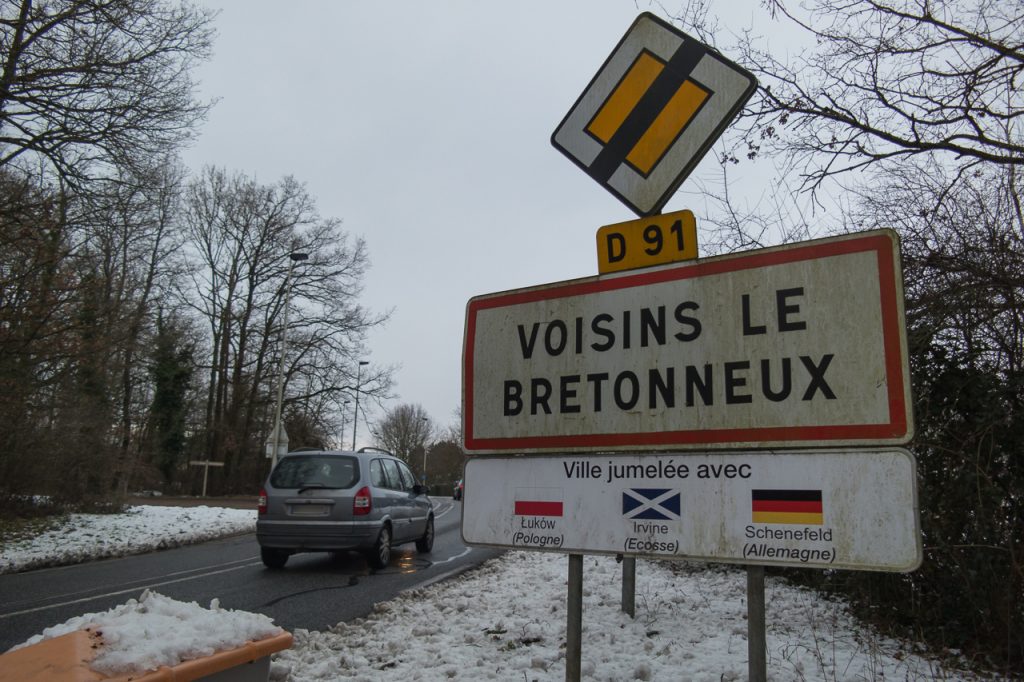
[655, 240]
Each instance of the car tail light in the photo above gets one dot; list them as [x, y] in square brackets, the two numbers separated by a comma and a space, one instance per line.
[261, 502]
[363, 503]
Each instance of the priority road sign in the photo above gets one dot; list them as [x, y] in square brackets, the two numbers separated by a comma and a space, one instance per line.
[651, 113]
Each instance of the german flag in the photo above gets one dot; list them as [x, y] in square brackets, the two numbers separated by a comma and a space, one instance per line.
[786, 506]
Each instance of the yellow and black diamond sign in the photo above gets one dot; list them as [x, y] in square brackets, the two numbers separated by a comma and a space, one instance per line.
[659, 102]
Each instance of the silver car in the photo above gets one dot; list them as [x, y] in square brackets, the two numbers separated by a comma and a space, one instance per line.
[330, 501]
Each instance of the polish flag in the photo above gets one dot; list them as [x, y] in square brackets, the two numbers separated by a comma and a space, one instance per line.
[538, 502]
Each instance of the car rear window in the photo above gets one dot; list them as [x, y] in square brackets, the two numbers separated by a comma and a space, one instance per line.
[317, 471]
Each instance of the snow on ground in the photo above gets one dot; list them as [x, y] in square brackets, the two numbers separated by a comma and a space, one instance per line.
[139, 529]
[504, 621]
[155, 631]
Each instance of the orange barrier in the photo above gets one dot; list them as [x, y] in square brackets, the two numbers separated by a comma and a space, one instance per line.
[66, 659]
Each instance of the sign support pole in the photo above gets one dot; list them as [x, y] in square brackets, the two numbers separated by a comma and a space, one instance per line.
[629, 586]
[756, 664]
[574, 620]
[206, 464]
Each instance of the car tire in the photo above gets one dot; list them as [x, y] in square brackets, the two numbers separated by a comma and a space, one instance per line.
[273, 558]
[426, 543]
[380, 554]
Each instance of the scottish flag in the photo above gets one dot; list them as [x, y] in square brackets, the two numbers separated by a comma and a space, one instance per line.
[650, 503]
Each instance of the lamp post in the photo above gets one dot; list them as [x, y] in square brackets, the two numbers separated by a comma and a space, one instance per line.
[355, 417]
[424, 420]
[344, 409]
[294, 258]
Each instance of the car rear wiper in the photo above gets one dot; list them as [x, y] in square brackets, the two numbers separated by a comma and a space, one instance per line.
[311, 486]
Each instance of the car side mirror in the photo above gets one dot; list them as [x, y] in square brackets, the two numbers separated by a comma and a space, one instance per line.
[419, 489]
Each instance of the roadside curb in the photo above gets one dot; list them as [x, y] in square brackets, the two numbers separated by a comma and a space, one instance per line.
[233, 502]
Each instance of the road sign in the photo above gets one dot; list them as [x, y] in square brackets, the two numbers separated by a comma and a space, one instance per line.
[826, 509]
[653, 110]
[656, 240]
[206, 464]
[801, 345]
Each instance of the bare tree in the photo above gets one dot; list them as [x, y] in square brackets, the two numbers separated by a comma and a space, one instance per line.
[445, 463]
[95, 96]
[404, 430]
[886, 80]
[963, 257]
[37, 318]
[732, 220]
[241, 234]
[909, 113]
[77, 295]
[88, 85]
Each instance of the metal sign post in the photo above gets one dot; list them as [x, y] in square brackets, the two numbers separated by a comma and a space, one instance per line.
[629, 586]
[845, 509]
[574, 620]
[662, 367]
[757, 669]
[206, 464]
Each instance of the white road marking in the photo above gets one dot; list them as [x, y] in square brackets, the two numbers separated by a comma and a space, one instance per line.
[132, 589]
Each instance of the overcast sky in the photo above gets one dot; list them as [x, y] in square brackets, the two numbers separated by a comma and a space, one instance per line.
[425, 127]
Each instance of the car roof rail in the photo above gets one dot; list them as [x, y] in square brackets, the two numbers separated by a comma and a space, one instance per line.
[370, 448]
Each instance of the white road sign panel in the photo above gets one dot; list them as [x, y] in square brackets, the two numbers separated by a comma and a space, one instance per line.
[802, 345]
[650, 114]
[826, 509]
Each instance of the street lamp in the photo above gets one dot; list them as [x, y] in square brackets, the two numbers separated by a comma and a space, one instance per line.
[344, 409]
[277, 441]
[355, 417]
[424, 420]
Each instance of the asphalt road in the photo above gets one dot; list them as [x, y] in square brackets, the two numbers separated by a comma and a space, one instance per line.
[314, 591]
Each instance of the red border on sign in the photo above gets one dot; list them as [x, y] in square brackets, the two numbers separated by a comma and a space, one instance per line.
[894, 431]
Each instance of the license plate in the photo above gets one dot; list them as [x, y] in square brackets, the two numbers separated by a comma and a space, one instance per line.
[310, 510]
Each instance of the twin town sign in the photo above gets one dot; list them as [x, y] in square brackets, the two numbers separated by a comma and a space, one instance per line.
[796, 346]
[832, 508]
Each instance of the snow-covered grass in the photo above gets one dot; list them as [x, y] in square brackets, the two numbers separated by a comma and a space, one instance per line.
[82, 537]
[506, 620]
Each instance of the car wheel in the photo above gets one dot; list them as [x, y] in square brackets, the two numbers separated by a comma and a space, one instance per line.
[380, 554]
[426, 543]
[273, 558]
